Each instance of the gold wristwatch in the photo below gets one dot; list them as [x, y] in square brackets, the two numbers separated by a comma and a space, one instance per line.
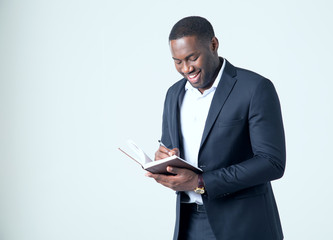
[201, 186]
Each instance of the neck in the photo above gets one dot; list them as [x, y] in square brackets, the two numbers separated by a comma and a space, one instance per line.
[218, 68]
[216, 72]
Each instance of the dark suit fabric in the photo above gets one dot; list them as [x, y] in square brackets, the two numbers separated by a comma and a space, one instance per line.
[242, 150]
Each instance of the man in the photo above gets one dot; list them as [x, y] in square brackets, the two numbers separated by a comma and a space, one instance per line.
[227, 121]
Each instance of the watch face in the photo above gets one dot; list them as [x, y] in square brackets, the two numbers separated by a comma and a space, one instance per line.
[199, 190]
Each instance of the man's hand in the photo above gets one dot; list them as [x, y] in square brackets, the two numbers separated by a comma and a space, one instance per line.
[184, 180]
[164, 152]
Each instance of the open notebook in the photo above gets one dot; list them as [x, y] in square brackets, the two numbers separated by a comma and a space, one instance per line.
[158, 166]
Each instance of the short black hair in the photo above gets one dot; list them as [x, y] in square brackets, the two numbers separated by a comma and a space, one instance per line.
[192, 26]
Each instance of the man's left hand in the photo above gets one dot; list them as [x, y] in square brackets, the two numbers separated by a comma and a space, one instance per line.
[184, 180]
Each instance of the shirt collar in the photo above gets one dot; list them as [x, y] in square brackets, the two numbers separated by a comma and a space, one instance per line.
[216, 82]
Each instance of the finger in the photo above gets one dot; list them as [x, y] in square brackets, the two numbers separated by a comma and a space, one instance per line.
[149, 174]
[174, 170]
[161, 153]
[174, 151]
[158, 177]
[164, 149]
[171, 153]
[152, 175]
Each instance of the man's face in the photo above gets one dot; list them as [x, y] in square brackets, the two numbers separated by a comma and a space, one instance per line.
[196, 60]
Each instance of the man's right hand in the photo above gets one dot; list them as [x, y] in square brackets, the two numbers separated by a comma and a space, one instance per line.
[164, 152]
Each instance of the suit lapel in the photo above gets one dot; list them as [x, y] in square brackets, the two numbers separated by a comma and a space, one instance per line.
[175, 114]
[222, 92]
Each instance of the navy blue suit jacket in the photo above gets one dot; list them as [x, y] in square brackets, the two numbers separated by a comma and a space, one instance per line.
[242, 150]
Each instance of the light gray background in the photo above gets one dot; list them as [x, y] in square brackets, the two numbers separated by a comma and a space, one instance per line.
[78, 78]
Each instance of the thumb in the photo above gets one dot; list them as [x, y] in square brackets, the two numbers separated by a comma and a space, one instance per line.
[173, 170]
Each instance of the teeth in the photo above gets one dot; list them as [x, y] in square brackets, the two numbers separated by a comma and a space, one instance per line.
[193, 75]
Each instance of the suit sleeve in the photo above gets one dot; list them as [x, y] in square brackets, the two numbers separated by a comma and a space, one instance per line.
[268, 146]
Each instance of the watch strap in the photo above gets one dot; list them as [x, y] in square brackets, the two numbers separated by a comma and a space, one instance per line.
[201, 185]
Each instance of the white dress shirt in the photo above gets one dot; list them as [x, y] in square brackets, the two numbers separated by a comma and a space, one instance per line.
[193, 115]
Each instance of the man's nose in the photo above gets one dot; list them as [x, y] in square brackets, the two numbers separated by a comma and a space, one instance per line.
[187, 68]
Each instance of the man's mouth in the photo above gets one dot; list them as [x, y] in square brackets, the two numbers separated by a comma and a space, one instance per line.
[193, 77]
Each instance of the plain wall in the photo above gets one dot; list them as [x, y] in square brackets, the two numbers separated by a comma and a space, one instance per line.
[78, 78]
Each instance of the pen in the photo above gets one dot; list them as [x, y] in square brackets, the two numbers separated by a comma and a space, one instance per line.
[162, 144]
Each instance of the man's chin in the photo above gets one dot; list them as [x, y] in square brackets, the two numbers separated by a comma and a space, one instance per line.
[195, 85]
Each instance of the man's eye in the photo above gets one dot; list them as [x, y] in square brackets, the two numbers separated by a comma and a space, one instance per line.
[193, 58]
[178, 62]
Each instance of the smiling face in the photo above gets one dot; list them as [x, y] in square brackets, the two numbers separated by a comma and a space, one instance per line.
[196, 60]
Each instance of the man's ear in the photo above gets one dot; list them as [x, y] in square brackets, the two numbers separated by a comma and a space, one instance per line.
[214, 44]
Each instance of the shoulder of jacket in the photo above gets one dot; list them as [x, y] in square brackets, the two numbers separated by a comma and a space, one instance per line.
[251, 78]
[176, 86]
